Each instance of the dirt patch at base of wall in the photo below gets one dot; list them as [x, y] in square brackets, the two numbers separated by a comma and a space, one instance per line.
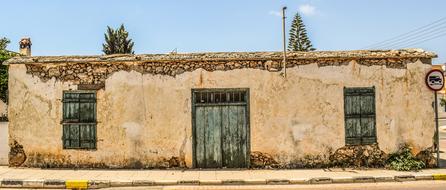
[262, 160]
[357, 156]
[370, 156]
[427, 156]
[17, 155]
[50, 160]
[351, 156]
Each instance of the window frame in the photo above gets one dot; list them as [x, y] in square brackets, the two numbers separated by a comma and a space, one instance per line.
[360, 92]
[92, 124]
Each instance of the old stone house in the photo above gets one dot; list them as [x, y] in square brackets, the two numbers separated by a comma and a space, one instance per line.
[219, 110]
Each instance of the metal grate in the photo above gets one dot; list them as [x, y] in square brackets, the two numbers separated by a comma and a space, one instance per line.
[206, 97]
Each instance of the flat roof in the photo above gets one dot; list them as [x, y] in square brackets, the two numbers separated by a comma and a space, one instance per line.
[227, 56]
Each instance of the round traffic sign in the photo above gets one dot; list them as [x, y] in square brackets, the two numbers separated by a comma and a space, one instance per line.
[435, 80]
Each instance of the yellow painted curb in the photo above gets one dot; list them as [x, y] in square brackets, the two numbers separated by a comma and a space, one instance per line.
[439, 176]
[76, 184]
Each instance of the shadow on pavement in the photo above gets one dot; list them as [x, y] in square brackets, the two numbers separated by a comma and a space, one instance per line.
[442, 162]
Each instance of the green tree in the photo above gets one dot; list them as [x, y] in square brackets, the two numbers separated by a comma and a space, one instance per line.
[298, 40]
[117, 41]
[3, 43]
[4, 55]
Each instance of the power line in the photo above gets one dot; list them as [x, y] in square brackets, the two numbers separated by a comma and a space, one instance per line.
[415, 36]
[414, 40]
[408, 34]
[425, 40]
[421, 34]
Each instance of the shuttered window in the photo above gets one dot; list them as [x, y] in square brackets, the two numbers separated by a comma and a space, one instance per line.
[359, 111]
[79, 120]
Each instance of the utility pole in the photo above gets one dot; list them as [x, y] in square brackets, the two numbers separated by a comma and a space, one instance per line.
[284, 41]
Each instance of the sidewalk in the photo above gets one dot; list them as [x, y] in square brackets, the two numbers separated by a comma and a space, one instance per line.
[60, 178]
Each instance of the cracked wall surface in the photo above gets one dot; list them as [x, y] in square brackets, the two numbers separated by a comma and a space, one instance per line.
[144, 117]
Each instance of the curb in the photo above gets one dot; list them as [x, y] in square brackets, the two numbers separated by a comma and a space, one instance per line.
[364, 179]
[380, 179]
[97, 184]
[53, 184]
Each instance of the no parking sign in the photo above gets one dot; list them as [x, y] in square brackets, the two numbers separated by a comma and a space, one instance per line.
[435, 80]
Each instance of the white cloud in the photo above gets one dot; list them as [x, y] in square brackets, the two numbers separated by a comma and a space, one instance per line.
[307, 9]
[275, 13]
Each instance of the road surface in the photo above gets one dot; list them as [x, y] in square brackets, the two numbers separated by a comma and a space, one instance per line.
[442, 124]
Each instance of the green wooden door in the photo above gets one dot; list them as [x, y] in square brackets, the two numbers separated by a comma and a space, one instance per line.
[220, 128]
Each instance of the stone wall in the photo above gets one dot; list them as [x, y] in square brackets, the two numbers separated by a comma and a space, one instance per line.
[97, 73]
[144, 109]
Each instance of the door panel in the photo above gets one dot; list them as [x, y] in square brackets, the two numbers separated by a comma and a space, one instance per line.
[213, 150]
[200, 131]
[221, 131]
[234, 139]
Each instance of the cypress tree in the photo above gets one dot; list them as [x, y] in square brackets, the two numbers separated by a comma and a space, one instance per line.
[298, 40]
[117, 41]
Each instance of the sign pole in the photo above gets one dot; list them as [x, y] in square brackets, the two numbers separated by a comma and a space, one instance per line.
[435, 81]
[437, 139]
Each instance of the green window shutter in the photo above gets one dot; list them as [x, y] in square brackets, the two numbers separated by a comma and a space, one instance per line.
[368, 130]
[66, 136]
[87, 107]
[88, 136]
[79, 120]
[70, 107]
[352, 118]
[359, 111]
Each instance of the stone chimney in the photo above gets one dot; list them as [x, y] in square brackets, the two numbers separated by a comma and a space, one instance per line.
[25, 46]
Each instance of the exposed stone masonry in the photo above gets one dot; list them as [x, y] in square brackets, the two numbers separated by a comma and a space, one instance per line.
[95, 69]
[359, 156]
[355, 156]
[16, 155]
[97, 72]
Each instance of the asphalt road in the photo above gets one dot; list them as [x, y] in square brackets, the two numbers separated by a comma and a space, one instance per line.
[442, 125]
[414, 185]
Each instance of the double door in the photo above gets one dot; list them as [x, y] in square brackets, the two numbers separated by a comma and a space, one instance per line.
[221, 128]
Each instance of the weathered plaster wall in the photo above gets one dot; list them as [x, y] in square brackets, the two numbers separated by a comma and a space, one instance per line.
[4, 148]
[3, 108]
[144, 120]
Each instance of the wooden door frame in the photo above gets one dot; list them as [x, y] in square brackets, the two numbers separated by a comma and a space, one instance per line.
[248, 129]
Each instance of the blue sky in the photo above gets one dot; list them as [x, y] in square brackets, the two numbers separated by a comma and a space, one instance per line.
[159, 26]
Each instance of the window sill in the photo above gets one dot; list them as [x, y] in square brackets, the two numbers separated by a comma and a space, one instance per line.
[81, 149]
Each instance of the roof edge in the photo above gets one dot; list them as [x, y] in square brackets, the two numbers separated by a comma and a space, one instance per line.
[219, 56]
